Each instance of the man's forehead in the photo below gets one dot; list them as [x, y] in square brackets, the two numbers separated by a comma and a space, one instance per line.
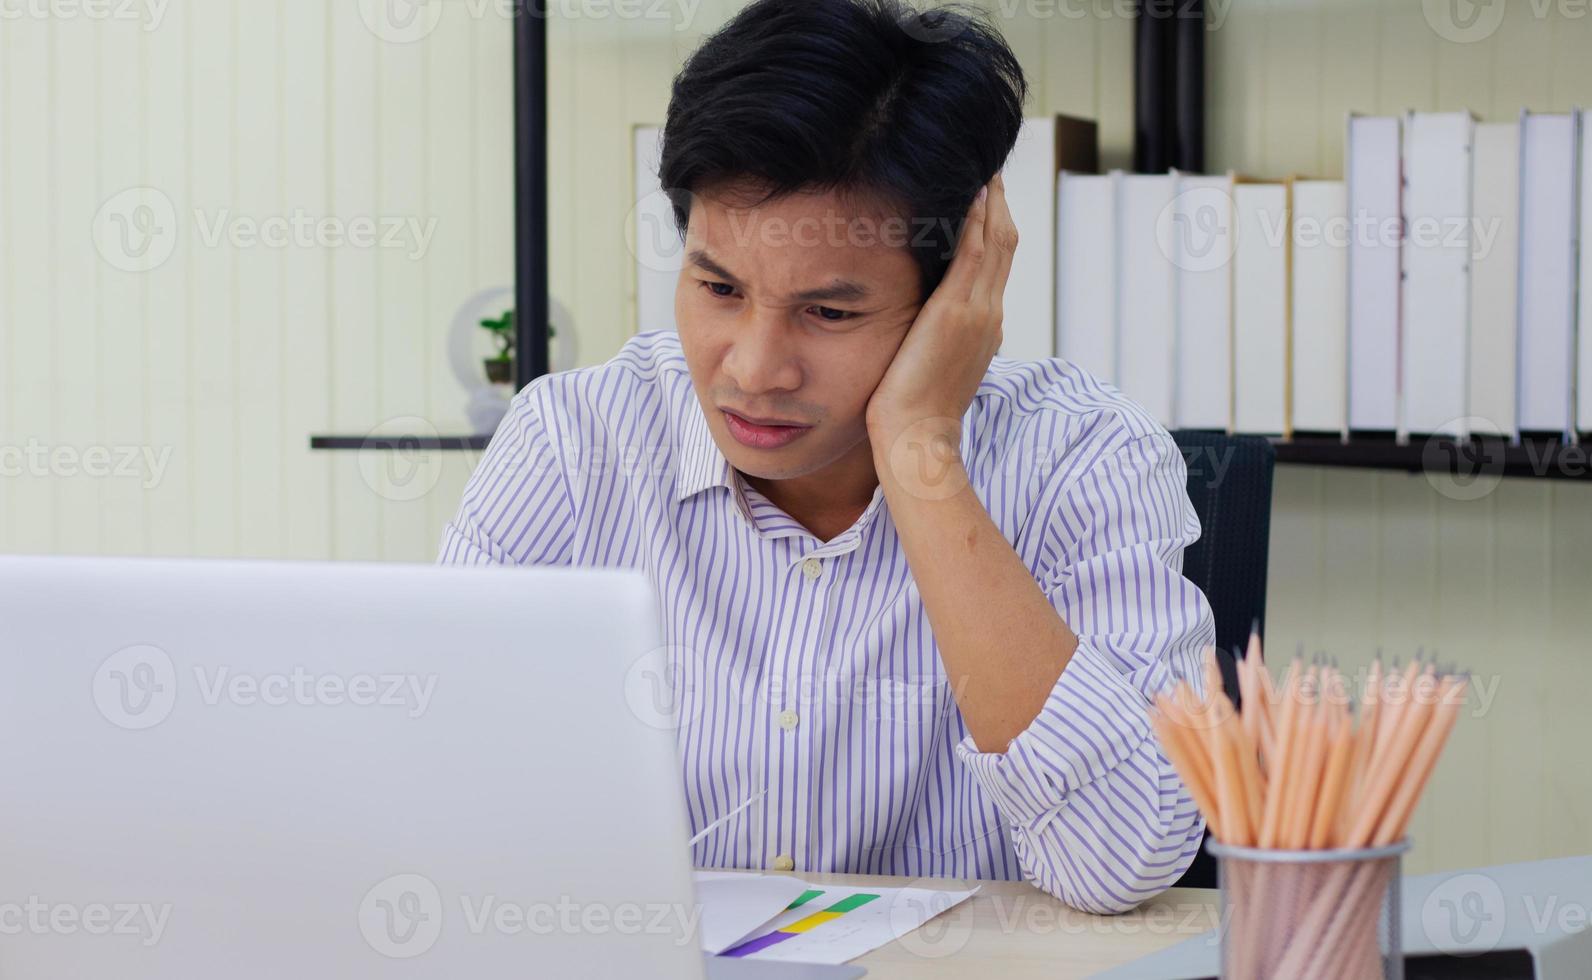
[819, 285]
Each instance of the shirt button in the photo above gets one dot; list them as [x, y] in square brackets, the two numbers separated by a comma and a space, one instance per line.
[812, 568]
[784, 863]
[788, 720]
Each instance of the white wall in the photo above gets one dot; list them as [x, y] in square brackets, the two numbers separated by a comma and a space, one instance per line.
[227, 357]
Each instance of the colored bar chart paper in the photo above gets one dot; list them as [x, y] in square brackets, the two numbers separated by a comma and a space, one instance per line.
[831, 925]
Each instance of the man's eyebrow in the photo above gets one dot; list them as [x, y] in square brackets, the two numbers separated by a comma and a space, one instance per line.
[845, 290]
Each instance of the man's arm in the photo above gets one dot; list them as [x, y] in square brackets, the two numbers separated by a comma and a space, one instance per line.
[516, 509]
[1055, 673]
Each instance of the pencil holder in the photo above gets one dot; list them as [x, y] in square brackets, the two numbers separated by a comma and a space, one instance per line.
[1327, 914]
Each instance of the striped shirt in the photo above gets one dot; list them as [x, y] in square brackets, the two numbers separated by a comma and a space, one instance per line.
[805, 670]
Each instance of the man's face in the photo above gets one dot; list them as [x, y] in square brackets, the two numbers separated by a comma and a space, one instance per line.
[789, 314]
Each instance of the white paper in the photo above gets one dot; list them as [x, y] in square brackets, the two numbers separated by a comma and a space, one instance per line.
[736, 904]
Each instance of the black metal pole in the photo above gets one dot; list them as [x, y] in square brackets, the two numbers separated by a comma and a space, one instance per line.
[530, 192]
[1152, 66]
[1188, 88]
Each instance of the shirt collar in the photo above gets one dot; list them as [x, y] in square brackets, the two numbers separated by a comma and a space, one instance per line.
[699, 465]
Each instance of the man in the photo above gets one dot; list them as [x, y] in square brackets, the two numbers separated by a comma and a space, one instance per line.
[917, 597]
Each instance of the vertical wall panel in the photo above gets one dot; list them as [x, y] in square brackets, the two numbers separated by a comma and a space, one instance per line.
[75, 278]
[120, 320]
[168, 358]
[356, 309]
[258, 200]
[212, 267]
[305, 291]
[401, 150]
[29, 370]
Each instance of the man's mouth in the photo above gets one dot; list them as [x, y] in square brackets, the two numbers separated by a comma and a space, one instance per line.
[763, 433]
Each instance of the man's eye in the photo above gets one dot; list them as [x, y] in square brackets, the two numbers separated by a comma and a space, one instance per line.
[719, 288]
[829, 313]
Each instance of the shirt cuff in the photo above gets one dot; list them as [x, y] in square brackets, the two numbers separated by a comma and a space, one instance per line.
[1092, 721]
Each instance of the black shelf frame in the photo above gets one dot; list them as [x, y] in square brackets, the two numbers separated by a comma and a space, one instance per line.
[1539, 457]
[407, 443]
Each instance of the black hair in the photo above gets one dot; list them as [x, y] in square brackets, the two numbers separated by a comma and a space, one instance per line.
[917, 108]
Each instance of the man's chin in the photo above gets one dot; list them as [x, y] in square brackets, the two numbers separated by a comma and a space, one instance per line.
[769, 465]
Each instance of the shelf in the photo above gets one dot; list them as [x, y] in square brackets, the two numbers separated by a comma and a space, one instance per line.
[1542, 457]
[408, 443]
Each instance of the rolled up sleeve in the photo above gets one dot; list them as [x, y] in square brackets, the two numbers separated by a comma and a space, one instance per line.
[1099, 817]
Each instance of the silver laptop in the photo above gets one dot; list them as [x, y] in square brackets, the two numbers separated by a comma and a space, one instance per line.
[269, 769]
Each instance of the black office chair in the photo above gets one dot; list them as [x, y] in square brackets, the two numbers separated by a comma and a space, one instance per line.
[1229, 484]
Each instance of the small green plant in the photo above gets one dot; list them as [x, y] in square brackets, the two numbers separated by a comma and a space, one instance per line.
[502, 330]
[499, 369]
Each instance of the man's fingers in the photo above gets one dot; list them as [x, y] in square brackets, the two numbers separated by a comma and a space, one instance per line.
[970, 250]
[1000, 245]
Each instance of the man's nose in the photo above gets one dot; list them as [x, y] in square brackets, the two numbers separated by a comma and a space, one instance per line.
[763, 357]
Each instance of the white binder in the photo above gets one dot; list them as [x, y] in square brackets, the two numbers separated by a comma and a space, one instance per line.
[1146, 310]
[1086, 272]
[1029, 312]
[1495, 257]
[1436, 255]
[658, 248]
[1548, 147]
[1583, 384]
[1320, 305]
[1200, 229]
[1260, 309]
[1371, 170]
